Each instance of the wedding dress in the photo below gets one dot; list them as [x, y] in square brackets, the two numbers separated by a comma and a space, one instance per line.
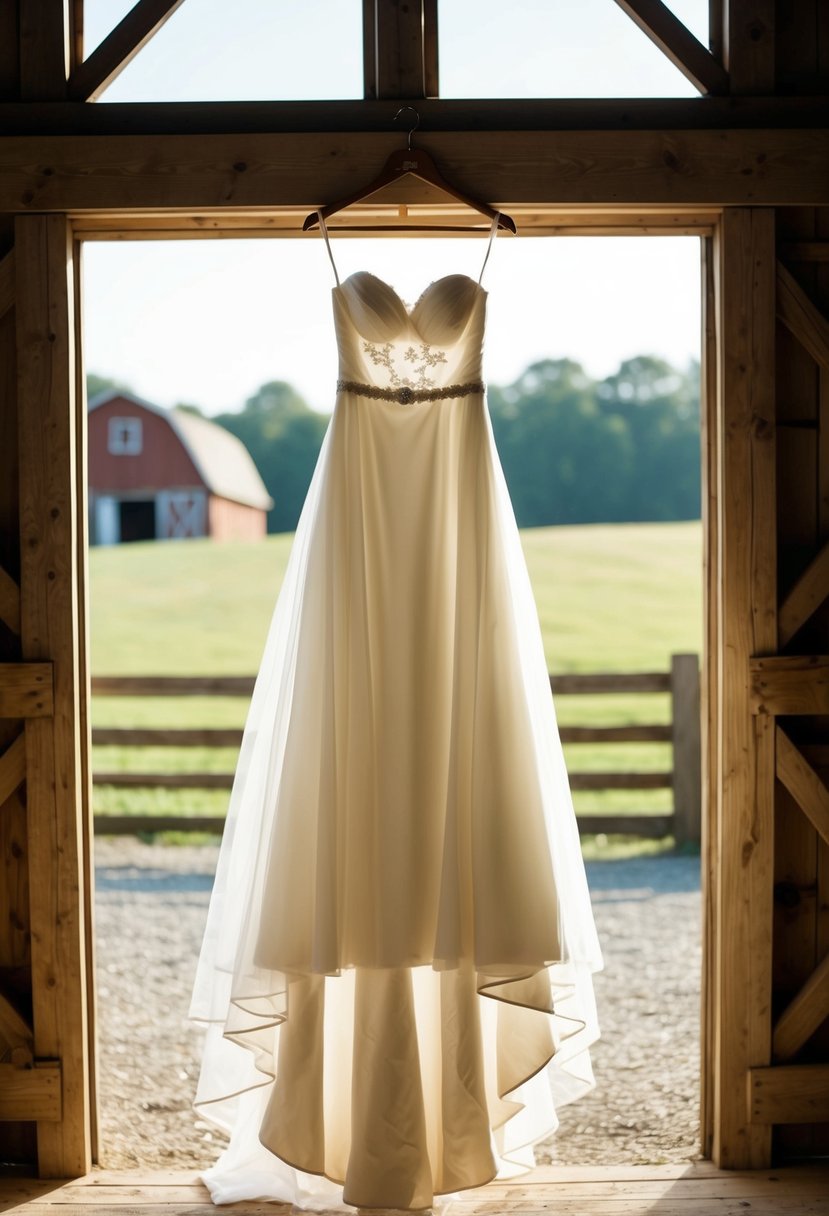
[396, 969]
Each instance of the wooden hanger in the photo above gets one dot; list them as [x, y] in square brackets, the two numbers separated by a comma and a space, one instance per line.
[418, 163]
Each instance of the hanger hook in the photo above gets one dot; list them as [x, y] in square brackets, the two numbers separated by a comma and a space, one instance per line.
[413, 128]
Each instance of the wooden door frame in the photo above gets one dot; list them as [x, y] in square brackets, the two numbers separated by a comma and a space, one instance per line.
[737, 310]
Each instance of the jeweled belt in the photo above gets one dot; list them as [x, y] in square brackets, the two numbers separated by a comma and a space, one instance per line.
[405, 395]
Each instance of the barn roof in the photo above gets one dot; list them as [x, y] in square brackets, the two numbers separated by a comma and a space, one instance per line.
[225, 465]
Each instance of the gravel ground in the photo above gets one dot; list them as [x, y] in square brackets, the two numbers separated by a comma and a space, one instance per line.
[151, 905]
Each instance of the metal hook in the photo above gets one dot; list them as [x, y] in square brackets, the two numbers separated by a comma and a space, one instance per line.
[412, 129]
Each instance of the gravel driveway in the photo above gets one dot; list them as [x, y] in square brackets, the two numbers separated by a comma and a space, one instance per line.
[151, 904]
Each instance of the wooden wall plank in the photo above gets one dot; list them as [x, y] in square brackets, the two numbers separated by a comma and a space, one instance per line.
[792, 1093]
[747, 627]
[9, 508]
[26, 690]
[44, 50]
[51, 632]
[94, 74]
[18, 1138]
[749, 167]
[677, 42]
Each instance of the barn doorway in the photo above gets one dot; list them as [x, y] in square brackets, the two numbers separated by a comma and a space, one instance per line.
[136, 519]
[131, 882]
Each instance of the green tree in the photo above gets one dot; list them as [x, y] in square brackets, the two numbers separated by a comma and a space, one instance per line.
[283, 436]
[577, 451]
[96, 384]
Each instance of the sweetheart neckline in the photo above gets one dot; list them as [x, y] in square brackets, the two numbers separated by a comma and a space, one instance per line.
[409, 311]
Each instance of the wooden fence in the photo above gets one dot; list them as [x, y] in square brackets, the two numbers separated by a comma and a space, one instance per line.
[682, 732]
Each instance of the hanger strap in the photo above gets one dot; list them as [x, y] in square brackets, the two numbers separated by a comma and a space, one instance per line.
[492, 232]
[324, 232]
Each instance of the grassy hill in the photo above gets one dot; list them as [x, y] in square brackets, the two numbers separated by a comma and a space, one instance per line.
[611, 597]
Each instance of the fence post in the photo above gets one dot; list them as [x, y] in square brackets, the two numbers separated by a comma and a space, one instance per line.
[685, 732]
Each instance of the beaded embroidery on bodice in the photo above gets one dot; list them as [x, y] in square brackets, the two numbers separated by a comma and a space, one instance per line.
[434, 345]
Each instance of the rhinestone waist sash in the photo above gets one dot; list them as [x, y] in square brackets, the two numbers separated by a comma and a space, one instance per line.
[405, 395]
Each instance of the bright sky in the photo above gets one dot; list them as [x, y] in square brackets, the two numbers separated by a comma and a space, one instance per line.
[209, 321]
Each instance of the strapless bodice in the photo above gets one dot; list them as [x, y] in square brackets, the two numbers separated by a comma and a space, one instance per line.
[436, 342]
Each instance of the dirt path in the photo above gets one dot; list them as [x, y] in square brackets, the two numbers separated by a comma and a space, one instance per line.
[151, 904]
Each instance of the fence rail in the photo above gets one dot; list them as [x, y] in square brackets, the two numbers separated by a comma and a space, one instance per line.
[683, 732]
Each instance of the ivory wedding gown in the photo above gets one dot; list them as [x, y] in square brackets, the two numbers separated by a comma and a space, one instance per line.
[396, 969]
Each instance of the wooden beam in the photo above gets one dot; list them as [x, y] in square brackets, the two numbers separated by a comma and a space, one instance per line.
[431, 75]
[805, 597]
[669, 114]
[748, 35]
[92, 76]
[76, 30]
[50, 499]
[31, 1093]
[792, 1093]
[802, 317]
[12, 770]
[26, 690]
[796, 684]
[7, 283]
[747, 625]
[398, 49]
[15, 1031]
[803, 783]
[676, 41]
[804, 251]
[804, 1013]
[9, 602]
[44, 50]
[636, 168]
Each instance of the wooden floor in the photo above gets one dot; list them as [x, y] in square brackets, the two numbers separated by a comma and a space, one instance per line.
[659, 1190]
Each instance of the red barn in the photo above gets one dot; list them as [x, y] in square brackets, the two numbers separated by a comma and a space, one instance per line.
[158, 474]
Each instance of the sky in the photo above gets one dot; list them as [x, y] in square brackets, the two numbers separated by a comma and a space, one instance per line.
[208, 322]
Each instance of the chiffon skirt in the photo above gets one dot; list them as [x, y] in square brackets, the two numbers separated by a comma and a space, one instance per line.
[396, 969]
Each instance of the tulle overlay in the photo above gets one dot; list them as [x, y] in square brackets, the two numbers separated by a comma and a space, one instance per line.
[396, 969]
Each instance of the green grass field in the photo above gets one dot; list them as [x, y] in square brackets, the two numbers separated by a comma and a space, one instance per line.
[611, 597]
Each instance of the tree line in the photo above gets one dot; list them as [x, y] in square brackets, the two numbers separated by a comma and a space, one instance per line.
[574, 449]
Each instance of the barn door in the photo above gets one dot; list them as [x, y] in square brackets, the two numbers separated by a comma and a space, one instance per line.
[46, 1083]
[767, 874]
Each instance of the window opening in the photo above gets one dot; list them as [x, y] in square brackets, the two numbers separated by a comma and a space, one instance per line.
[185, 611]
[252, 50]
[553, 48]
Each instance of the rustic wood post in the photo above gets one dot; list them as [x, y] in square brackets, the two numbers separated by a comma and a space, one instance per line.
[51, 500]
[747, 626]
[685, 732]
